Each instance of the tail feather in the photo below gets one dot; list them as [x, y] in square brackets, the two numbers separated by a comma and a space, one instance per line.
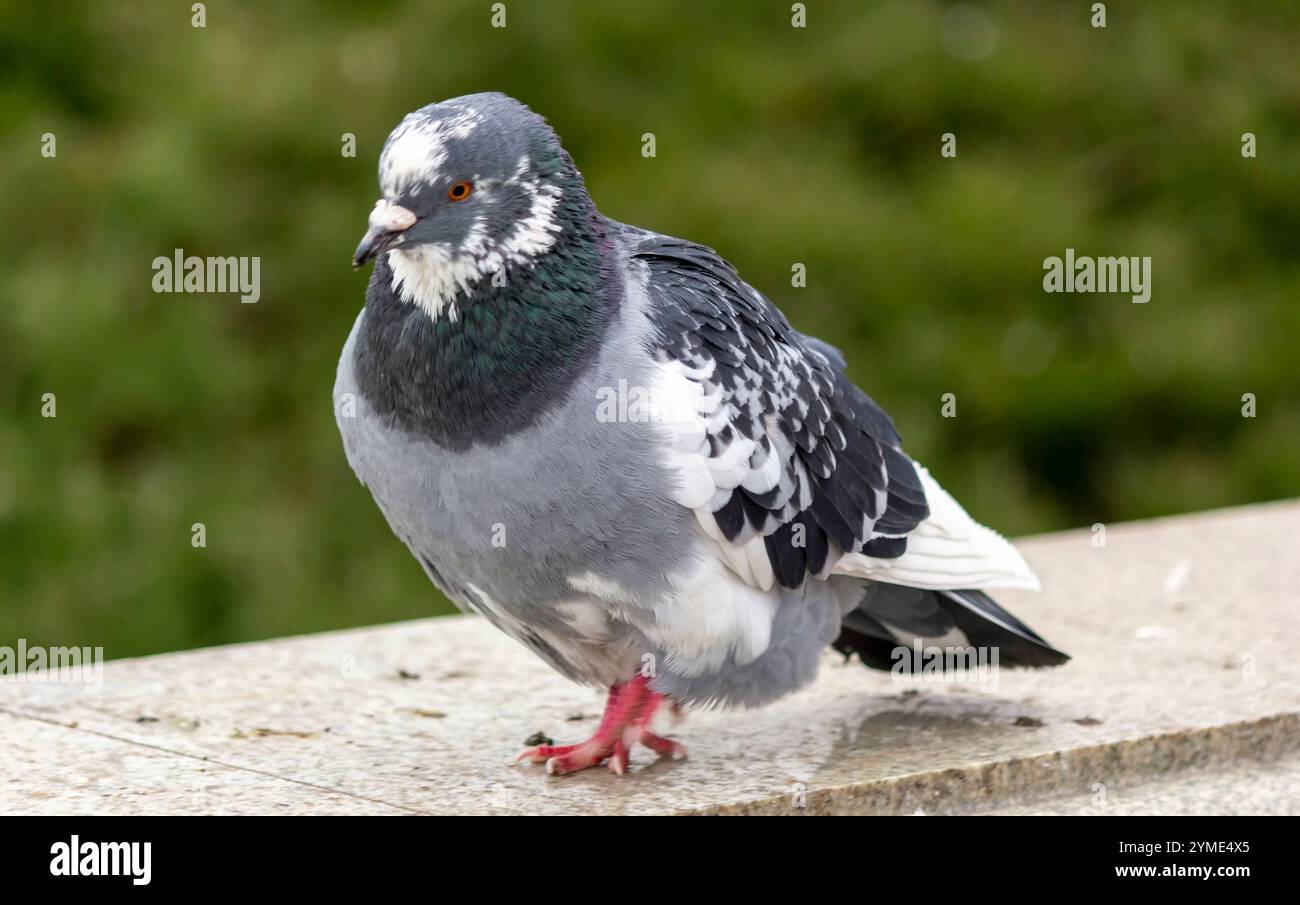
[893, 616]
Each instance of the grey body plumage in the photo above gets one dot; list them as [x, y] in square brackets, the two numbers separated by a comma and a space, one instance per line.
[753, 509]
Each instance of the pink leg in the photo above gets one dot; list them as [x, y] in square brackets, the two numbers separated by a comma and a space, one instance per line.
[628, 711]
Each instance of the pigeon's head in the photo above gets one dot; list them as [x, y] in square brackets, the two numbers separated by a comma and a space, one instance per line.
[469, 186]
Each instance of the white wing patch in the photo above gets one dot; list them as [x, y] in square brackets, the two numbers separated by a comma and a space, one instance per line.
[681, 402]
[691, 409]
[948, 550]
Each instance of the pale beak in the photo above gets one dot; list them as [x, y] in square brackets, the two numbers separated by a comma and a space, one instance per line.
[387, 223]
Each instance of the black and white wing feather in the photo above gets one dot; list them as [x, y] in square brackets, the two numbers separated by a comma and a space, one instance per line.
[791, 469]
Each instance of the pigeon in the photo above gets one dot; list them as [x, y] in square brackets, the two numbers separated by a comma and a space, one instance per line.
[616, 451]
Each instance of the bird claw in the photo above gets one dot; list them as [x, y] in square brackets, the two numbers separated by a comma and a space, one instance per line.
[664, 747]
[627, 713]
[618, 759]
[541, 753]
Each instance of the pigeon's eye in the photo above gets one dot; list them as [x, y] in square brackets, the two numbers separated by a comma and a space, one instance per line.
[460, 191]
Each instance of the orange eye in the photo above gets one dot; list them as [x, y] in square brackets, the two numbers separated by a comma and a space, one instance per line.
[460, 191]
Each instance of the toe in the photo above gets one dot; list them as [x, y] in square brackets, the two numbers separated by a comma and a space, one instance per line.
[664, 747]
[618, 760]
[575, 758]
[541, 753]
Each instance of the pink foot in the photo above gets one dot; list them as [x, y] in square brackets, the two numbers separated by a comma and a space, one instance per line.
[628, 711]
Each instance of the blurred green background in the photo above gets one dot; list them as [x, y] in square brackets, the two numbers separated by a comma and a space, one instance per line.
[775, 145]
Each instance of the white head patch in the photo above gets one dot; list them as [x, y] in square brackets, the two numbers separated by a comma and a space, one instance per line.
[418, 148]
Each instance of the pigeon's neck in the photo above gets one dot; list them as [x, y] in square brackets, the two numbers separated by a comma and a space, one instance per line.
[512, 353]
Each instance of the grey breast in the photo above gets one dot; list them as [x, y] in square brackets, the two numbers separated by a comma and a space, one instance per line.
[512, 522]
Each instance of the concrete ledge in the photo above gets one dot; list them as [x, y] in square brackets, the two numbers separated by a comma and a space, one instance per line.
[1184, 697]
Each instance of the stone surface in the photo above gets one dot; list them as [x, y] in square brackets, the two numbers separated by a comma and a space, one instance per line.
[1251, 787]
[1184, 692]
[55, 769]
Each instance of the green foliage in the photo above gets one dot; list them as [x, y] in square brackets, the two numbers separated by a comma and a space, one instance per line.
[775, 145]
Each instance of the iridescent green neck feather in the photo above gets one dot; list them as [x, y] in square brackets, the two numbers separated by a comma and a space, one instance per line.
[514, 349]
